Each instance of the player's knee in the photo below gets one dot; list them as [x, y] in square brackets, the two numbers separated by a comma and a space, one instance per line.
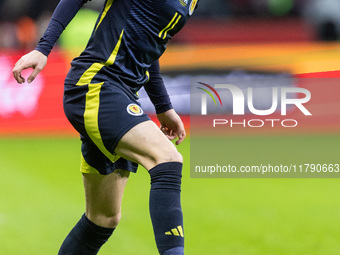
[161, 155]
[168, 156]
[113, 221]
[106, 220]
[175, 156]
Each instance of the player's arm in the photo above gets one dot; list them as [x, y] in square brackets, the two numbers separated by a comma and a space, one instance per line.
[171, 124]
[37, 59]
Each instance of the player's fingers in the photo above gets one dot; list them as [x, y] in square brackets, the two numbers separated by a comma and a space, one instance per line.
[163, 129]
[17, 74]
[171, 136]
[168, 133]
[34, 74]
[20, 65]
[181, 137]
[22, 79]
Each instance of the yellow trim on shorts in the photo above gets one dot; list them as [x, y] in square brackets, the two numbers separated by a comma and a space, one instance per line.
[86, 168]
[88, 75]
[91, 119]
[92, 104]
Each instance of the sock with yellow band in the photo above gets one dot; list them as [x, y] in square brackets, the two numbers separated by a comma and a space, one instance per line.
[165, 207]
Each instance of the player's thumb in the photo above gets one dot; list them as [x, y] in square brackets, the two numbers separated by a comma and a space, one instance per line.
[34, 74]
[181, 137]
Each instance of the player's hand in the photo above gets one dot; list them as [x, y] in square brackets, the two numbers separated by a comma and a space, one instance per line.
[172, 125]
[35, 59]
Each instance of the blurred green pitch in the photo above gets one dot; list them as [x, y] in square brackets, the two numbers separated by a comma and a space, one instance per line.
[41, 198]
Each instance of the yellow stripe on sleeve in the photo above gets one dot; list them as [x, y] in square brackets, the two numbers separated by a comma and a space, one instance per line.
[169, 26]
[167, 30]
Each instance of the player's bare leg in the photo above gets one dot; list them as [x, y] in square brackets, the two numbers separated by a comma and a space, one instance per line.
[145, 144]
[103, 195]
[148, 146]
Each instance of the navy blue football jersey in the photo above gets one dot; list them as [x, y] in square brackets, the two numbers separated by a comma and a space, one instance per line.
[128, 37]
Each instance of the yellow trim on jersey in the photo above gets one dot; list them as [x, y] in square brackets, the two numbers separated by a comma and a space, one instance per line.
[174, 17]
[86, 168]
[148, 74]
[170, 26]
[107, 7]
[91, 119]
[88, 75]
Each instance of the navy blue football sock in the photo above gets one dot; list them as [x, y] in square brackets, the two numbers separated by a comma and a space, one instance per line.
[85, 238]
[174, 251]
[165, 207]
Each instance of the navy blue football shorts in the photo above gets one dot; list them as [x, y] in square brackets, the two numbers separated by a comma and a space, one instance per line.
[102, 114]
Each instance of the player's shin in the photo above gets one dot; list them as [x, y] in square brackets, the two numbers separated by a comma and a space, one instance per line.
[165, 207]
